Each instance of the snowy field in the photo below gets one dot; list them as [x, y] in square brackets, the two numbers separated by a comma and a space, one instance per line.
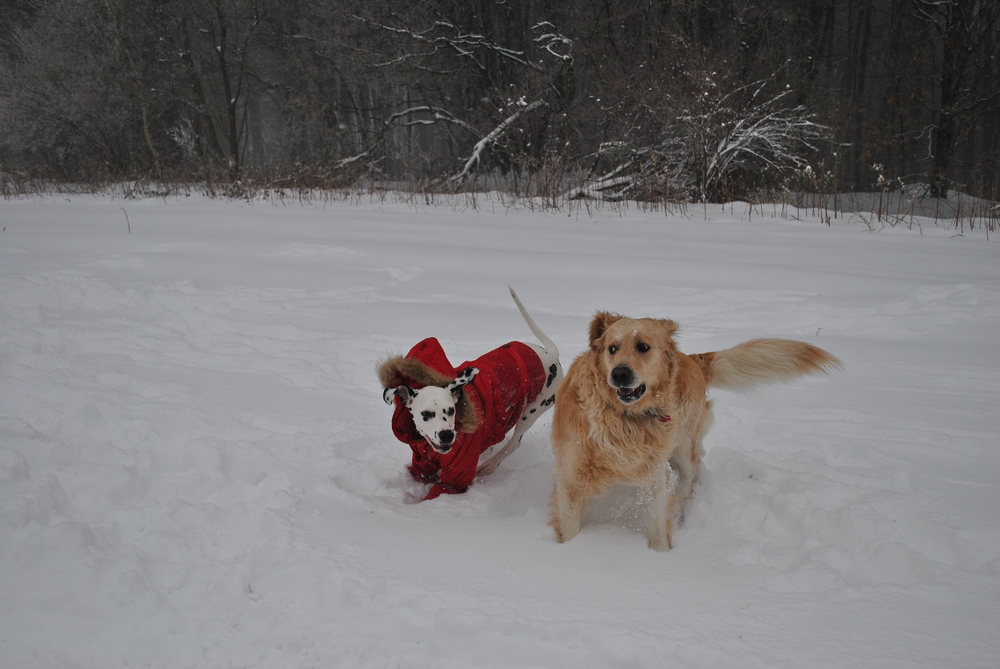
[197, 468]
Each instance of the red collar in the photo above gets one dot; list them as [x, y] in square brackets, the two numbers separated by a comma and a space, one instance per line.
[663, 418]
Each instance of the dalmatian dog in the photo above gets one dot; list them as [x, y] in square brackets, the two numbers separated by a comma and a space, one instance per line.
[433, 408]
[456, 418]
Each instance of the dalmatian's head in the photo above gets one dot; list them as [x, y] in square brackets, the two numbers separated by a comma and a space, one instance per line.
[433, 408]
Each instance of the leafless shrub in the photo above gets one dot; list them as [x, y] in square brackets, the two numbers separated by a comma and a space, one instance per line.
[720, 145]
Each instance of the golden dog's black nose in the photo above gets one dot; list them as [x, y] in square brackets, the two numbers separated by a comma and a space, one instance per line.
[623, 376]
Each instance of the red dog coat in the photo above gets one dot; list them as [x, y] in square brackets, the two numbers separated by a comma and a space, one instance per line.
[509, 378]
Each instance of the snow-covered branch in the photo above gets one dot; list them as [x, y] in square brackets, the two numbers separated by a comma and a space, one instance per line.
[411, 116]
[774, 138]
[352, 159]
[491, 138]
[445, 36]
[405, 117]
[554, 43]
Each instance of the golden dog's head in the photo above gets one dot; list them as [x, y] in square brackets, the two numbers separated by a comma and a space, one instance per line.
[636, 355]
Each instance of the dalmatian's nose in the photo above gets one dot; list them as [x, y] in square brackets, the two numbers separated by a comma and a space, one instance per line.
[446, 437]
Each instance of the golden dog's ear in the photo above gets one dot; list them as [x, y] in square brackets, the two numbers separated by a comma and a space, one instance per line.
[667, 327]
[602, 320]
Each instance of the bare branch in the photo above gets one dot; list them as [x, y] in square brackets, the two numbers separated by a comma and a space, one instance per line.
[437, 114]
[464, 45]
[491, 138]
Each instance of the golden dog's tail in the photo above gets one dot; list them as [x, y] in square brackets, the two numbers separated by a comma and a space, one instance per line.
[763, 361]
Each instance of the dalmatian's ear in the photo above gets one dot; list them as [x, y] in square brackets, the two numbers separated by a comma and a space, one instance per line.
[465, 376]
[404, 393]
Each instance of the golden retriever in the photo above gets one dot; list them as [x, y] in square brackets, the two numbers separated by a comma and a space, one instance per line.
[633, 409]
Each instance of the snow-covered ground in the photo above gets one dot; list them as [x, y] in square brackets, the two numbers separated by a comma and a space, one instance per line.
[197, 470]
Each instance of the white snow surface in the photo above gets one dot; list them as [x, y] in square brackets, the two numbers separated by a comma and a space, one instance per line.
[197, 468]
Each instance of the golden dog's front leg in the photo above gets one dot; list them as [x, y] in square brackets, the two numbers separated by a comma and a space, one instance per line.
[661, 515]
[567, 510]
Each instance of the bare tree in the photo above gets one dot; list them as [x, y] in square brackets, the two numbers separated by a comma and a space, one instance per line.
[215, 48]
[622, 99]
[63, 101]
[505, 85]
[965, 34]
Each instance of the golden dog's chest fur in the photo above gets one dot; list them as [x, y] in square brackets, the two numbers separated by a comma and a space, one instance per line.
[618, 448]
[633, 410]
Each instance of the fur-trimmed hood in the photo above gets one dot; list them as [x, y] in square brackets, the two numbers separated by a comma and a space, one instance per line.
[427, 365]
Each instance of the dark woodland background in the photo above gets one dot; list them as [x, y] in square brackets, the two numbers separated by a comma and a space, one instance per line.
[676, 99]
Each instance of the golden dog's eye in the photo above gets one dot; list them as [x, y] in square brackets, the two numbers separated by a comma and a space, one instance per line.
[612, 349]
[642, 348]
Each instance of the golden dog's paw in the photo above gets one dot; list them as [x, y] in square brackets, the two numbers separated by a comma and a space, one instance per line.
[662, 544]
[563, 534]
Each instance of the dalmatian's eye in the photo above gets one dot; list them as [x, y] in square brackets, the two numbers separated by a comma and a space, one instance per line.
[612, 349]
[450, 411]
[642, 348]
[427, 415]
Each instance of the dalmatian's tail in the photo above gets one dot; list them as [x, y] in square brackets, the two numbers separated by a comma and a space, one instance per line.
[546, 342]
